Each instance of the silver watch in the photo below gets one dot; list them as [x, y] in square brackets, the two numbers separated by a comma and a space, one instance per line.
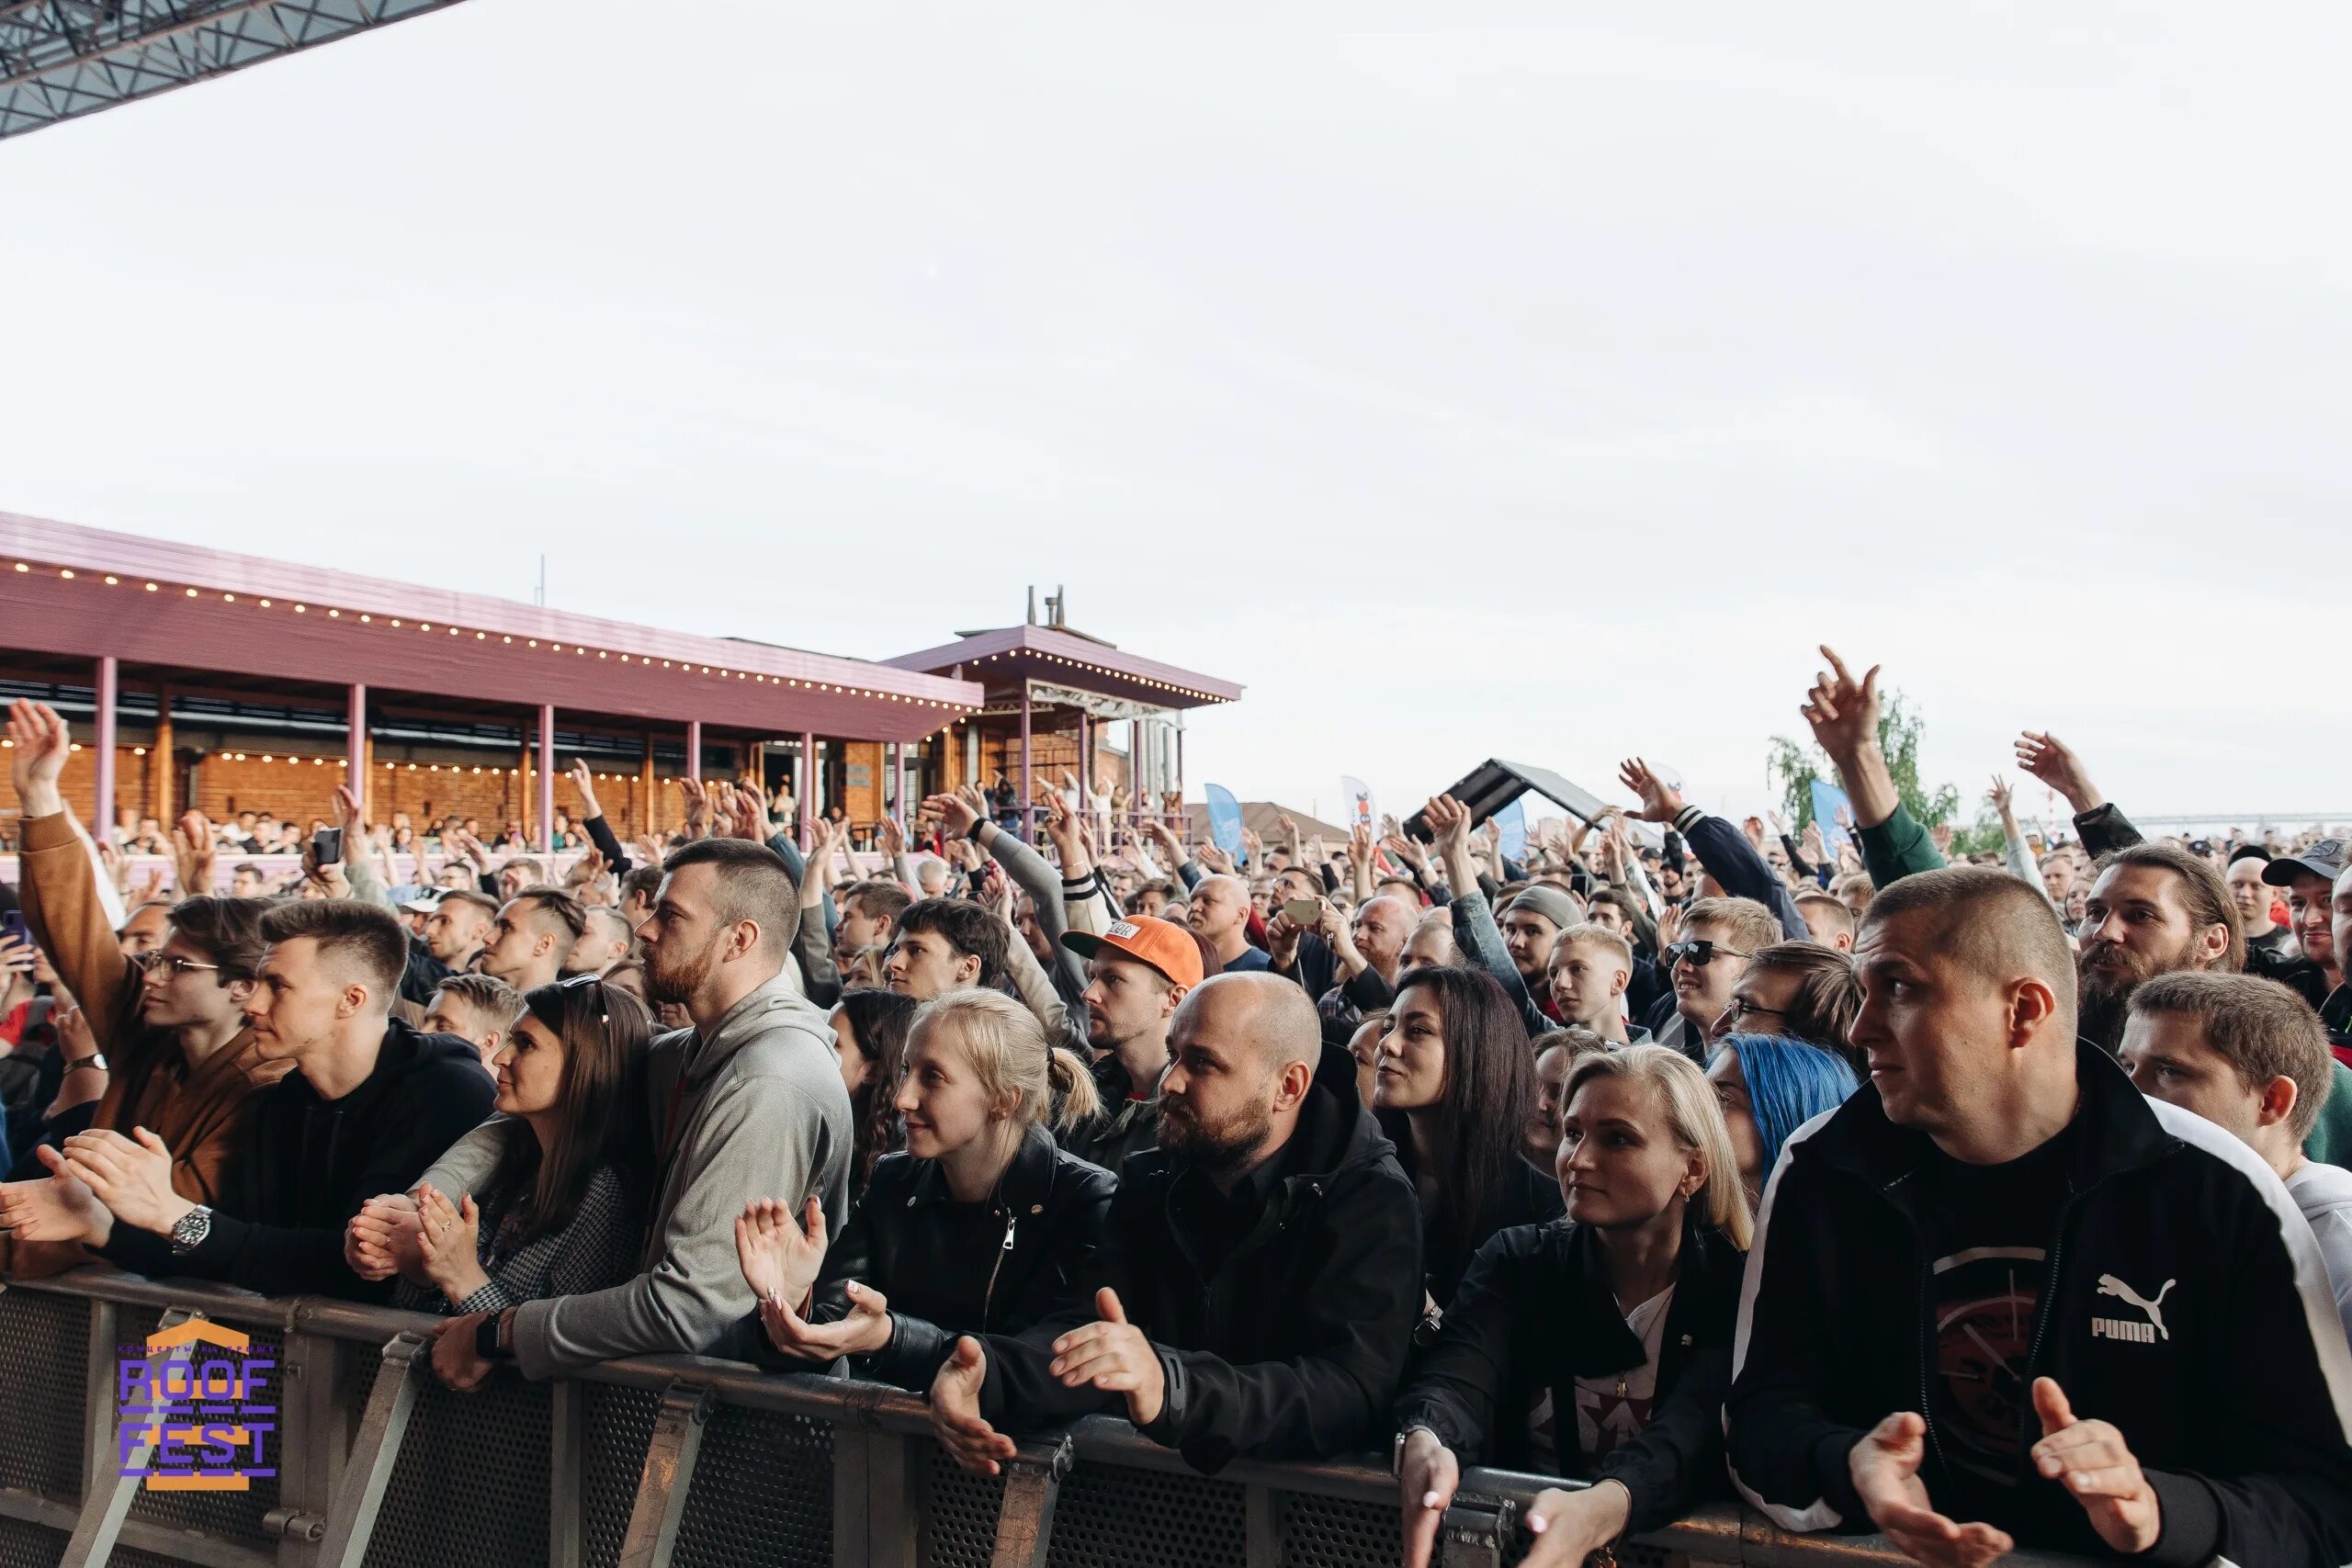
[190, 1229]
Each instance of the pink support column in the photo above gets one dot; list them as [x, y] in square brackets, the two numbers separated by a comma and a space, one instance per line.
[1028, 807]
[547, 778]
[694, 749]
[805, 797]
[355, 738]
[102, 805]
[1085, 807]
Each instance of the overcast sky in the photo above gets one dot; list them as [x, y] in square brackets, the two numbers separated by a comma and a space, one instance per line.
[1525, 388]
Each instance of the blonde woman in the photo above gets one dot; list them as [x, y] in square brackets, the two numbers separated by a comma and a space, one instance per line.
[979, 1225]
[1597, 1346]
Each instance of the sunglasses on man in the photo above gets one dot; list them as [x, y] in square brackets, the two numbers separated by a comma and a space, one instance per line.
[1699, 954]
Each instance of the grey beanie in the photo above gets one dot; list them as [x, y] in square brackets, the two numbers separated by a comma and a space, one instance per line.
[1548, 901]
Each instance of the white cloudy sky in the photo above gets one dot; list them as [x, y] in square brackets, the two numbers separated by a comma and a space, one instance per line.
[1545, 384]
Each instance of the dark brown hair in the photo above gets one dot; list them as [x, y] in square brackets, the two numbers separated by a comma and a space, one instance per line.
[877, 1021]
[369, 938]
[2263, 1030]
[226, 931]
[601, 1097]
[1829, 992]
[2202, 893]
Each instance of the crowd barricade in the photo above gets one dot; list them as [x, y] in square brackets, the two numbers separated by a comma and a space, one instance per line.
[669, 1460]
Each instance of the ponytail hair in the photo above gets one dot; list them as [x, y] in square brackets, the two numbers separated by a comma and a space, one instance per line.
[1009, 1054]
[1695, 1118]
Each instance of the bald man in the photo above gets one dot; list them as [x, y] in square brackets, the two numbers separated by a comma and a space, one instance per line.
[1219, 911]
[1999, 1300]
[1257, 1294]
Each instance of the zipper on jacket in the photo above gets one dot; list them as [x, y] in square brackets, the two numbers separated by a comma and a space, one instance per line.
[2042, 1313]
[1003, 1252]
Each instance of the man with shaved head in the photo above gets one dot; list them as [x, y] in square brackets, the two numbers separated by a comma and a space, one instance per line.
[1262, 1273]
[2000, 1301]
[1220, 911]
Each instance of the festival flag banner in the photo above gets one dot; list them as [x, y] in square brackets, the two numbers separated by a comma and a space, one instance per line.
[1224, 819]
[1511, 823]
[1361, 809]
[1833, 811]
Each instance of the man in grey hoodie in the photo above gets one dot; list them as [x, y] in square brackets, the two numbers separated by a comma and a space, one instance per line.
[746, 1104]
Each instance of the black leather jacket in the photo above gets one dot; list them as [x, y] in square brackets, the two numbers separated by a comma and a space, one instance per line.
[950, 1267]
[1535, 1312]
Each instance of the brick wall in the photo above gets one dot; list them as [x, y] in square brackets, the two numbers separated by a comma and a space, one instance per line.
[302, 790]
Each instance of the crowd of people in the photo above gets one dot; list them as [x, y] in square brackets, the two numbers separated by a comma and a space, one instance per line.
[1674, 1158]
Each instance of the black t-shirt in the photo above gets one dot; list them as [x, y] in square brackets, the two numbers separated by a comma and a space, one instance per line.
[1989, 1230]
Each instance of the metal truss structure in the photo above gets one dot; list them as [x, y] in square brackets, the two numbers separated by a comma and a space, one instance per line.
[62, 59]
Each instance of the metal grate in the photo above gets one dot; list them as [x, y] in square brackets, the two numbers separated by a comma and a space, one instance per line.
[470, 1489]
[234, 1515]
[24, 1545]
[617, 1423]
[1146, 1519]
[1333, 1532]
[44, 1358]
[959, 1513]
[762, 1492]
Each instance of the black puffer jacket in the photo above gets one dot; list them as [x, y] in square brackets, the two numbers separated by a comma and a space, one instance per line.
[1535, 1312]
[1293, 1346]
[949, 1268]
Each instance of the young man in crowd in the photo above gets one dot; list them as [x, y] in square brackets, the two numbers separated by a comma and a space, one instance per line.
[1220, 911]
[1261, 1271]
[1827, 920]
[2248, 1056]
[2120, 1327]
[1138, 972]
[2267, 942]
[1591, 965]
[171, 1050]
[461, 924]
[1719, 936]
[1516, 951]
[639, 886]
[2154, 910]
[533, 934]
[366, 1105]
[943, 944]
[604, 942]
[748, 1104]
[869, 913]
[478, 1010]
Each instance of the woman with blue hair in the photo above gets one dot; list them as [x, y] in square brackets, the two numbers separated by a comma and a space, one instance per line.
[1770, 1086]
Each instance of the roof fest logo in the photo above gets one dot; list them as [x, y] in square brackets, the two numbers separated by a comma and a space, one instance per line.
[198, 1410]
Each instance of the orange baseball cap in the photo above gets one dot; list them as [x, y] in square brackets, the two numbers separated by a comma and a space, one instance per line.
[1165, 945]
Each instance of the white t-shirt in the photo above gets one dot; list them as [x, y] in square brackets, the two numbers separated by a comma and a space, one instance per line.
[1611, 1409]
[2323, 1192]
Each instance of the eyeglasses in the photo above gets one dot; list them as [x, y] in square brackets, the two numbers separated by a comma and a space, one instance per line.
[1699, 954]
[172, 963]
[1742, 1010]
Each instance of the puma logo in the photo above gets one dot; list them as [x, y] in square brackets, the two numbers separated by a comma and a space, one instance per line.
[2114, 1328]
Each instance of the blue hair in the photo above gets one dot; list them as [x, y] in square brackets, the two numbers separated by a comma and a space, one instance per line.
[1788, 1084]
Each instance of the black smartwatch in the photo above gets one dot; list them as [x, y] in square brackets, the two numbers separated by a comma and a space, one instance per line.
[486, 1340]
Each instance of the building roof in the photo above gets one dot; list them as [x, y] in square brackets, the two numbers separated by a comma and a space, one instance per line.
[88, 593]
[1008, 655]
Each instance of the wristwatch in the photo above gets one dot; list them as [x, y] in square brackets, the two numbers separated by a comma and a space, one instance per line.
[190, 1229]
[490, 1339]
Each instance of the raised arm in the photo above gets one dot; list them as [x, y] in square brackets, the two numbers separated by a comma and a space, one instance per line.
[1844, 714]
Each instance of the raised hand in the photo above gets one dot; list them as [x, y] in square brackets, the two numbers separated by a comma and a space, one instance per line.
[955, 814]
[2050, 760]
[697, 808]
[1885, 1468]
[1659, 803]
[1405, 850]
[890, 837]
[1999, 795]
[584, 783]
[752, 814]
[1449, 822]
[41, 743]
[780, 1260]
[1843, 711]
[1215, 859]
[2091, 1459]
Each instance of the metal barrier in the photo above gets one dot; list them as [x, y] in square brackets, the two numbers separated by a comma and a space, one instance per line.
[675, 1460]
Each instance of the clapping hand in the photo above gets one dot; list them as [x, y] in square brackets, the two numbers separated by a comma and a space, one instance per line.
[2092, 1461]
[1113, 1355]
[448, 1241]
[57, 1208]
[956, 1419]
[1885, 1469]
[865, 1331]
[780, 1258]
[381, 1239]
[133, 1179]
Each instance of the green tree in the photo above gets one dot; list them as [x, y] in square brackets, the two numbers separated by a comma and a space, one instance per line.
[1792, 768]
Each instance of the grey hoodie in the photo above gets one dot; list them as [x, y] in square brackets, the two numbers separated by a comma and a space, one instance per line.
[760, 1112]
